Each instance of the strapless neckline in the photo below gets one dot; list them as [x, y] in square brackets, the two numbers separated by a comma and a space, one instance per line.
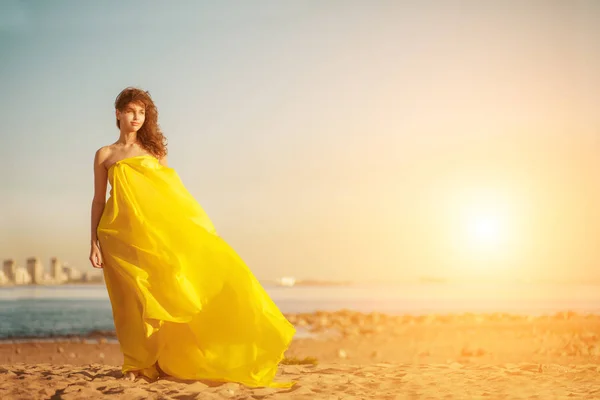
[129, 158]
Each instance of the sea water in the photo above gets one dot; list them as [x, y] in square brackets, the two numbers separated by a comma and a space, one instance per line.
[49, 311]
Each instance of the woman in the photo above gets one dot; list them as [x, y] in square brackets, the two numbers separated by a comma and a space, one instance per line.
[184, 303]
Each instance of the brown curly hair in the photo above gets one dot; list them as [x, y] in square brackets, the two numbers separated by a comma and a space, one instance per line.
[149, 135]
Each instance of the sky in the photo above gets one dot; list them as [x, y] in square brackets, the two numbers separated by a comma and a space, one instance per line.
[346, 140]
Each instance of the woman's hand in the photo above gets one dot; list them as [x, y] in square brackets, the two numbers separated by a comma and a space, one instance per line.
[96, 256]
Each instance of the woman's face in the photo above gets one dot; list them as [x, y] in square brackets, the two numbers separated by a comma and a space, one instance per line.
[132, 117]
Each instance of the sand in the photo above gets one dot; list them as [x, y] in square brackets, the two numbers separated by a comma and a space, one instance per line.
[493, 356]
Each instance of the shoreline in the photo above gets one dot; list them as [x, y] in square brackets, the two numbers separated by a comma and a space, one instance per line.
[314, 324]
[420, 281]
[48, 285]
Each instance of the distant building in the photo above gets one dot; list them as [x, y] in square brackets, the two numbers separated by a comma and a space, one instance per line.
[22, 277]
[72, 274]
[3, 279]
[286, 281]
[35, 270]
[56, 269]
[10, 270]
[97, 278]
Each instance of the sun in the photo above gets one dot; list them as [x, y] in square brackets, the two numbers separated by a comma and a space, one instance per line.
[485, 230]
[483, 223]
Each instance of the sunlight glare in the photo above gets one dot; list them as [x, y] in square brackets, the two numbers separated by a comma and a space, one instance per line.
[485, 230]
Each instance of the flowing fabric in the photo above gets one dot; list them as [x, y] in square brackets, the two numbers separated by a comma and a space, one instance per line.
[181, 296]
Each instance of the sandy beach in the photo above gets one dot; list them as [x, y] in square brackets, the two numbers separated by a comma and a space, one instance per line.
[358, 356]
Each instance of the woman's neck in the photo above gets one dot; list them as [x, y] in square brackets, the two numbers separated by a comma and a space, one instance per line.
[127, 138]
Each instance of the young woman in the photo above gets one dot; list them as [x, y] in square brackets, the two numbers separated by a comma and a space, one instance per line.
[184, 303]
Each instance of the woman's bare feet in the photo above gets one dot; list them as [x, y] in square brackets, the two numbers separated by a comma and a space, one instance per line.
[131, 375]
[161, 374]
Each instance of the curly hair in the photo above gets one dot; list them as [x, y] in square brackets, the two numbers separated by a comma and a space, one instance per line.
[149, 135]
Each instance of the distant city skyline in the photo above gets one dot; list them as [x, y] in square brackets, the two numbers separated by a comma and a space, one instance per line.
[36, 273]
[340, 140]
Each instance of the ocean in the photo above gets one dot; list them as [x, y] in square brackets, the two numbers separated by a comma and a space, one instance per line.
[50, 311]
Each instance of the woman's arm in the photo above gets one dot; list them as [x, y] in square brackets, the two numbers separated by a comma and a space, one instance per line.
[100, 182]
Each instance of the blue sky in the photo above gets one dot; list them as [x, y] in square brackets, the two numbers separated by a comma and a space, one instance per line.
[325, 139]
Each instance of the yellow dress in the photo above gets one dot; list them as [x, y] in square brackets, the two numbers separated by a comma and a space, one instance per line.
[181, 297]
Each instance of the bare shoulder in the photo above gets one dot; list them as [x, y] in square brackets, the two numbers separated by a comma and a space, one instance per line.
[164, 161]
[102, 154]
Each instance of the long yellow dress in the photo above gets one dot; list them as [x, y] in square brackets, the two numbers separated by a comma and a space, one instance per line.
[181, 296]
